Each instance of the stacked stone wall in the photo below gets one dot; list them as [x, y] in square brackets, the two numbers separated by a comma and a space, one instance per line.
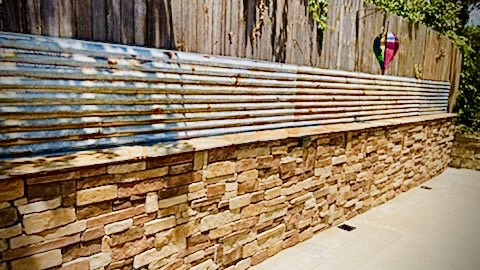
[223, 208]
[466, 152]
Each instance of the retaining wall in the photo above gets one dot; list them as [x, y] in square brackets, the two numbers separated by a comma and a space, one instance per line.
[220, 208]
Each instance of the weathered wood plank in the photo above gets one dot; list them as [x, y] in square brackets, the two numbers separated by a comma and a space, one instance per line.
[49, 17]
[31, 13]
[83, 10]
[127, 21]
[99, 20]
[12, 16]
[67, 18]
[113, 21]
[140, 18]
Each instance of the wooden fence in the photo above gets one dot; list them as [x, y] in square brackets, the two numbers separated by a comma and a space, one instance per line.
[272, 30]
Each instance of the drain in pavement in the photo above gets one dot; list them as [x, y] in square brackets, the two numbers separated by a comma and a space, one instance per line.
[425, 187]
[346, 227]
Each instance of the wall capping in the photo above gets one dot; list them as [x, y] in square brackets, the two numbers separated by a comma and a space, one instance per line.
[40, 165]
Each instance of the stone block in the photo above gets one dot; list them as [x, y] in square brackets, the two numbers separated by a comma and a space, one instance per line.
[151, 202]
[126, 167]
[119, 226]
[44, 260]
[39, 206]
[11, 231]
[166, 203]
[8, 217]
[158, 225]
[253, 151]
[77, 264]
[39, 222]
[99, 260]
[216, 220]
[246, 164]
[216, 190]
[97, 194]
[247, 175]
[127, 236]
[130, 249]
[220, 169]
[240, 201]
[11, 189]
[143, 175]
[271, 236]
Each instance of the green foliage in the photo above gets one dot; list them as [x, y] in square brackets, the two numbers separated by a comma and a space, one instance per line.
[449, 17]
[318, 10]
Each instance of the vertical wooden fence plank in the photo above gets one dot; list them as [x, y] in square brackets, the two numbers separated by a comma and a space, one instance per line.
[140, 18]
[127, 21]
[12, 16]
[31, 13]
[113, 21]
[67, 18]
[83, 10]
[177, 25]
[50, 20]
[99, 20]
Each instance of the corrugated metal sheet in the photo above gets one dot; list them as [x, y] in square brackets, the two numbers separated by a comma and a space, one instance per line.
[62, 95]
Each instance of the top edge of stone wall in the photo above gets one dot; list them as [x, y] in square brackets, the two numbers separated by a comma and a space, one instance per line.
[21, 167]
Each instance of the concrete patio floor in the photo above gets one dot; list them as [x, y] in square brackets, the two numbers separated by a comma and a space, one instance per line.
[420, 229]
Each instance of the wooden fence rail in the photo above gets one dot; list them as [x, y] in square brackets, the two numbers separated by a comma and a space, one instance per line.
[272, 30]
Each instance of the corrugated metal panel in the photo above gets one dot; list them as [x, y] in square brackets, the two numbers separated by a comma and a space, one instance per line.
[62, 95]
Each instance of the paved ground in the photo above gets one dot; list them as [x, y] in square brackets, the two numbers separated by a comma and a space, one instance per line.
[420, 229]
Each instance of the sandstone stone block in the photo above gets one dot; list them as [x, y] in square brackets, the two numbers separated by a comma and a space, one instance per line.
[127, 236]
[39, 261]
[247, 175]
[249, 249]
[153, 255]
[77, 264]
[94, 209]
[220, 169]
[215, 190]
[131, 249]
[3, 245]
[208, 264]
[99, 260]
[194, 256]
[240, 201]
[115, 216]
[143, 175]
[151, 202]
[97, 194]
[93, 233]
[40, 247]
[220, 231]
[39, 222]
[158, 225]
[166, 203]
[11, 231]
[11, 190]
[287, 168]
[252, 210]
[246, 164]
[273, 193]
[253, 151]
[216, 220]
[126, 167]
[271, 236]
[8, 216]
[39, 206]
[119, 226]
[25, 240]
[181, 168]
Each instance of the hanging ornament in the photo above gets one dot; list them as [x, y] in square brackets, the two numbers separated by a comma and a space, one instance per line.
[385, 47]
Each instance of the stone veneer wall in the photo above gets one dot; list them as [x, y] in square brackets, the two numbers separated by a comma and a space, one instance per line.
[466, 152]
[225, 208]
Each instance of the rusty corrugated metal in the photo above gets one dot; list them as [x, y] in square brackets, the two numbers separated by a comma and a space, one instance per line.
[62, 95]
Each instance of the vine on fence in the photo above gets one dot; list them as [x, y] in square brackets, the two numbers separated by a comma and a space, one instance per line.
[318, 10]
